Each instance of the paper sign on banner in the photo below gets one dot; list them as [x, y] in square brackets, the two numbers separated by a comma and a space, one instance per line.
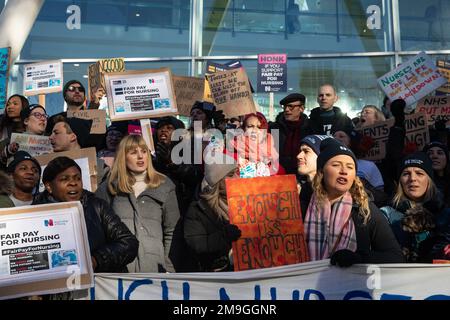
[4, 75]
[35, 145]
[412, 80]
[436, 108]
[147, 134]
[444, 70]
[231, 92]
[267, 211]
[188, 90]
[43, 77]
[272, 72]
[97, 70]
[98, 118]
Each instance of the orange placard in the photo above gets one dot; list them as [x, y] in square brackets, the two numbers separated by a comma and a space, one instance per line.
[267, 210]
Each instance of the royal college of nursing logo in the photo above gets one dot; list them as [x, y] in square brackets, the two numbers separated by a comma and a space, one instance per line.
[48, 223]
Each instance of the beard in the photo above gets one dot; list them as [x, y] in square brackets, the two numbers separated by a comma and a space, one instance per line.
[74, 101]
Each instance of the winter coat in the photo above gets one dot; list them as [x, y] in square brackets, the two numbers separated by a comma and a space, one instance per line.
[318, 126]
[153, 217]
[6, 187]
[111, 243]
[422, 231]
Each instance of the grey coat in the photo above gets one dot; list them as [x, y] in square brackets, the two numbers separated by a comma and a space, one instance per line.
[153, 218]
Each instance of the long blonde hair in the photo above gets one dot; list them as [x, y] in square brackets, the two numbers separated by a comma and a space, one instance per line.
[400, 196]
[120, 178]
[357, 192]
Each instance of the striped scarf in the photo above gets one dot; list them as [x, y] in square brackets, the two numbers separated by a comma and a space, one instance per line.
[330, 228]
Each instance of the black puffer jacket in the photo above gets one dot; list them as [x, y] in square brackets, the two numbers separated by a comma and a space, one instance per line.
[327, 125]
[111, 243]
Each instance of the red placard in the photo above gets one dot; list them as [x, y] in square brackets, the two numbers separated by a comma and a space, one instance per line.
[267, 210]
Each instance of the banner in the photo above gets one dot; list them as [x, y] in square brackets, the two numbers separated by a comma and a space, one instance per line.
[188, 90]
[231, 92]
[316, 280]
[5, 54]
[412, 80]
[35, 145]
[379, 132]
[267, 211]
[272, 72]
[436, 108]
[98, 118]
[140, 94]
[43, 249]
[97, 70]
[444, 70]
[43, 77]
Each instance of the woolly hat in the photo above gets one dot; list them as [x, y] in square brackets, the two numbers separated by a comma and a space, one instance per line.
[418, 160]
[437, 144]
[69, 83]
[177, 124]
[207, 107]
[26, 111]
[20, 156]
[292, 98]
[330, 148]
[314, 141]
[214, 172]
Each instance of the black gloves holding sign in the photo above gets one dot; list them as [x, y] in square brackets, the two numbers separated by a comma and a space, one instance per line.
[345, 258]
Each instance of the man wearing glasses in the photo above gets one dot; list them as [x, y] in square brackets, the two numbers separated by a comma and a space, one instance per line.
[292, 124]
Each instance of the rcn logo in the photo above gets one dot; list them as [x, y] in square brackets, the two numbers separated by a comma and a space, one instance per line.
[151, 80]
[48, 223]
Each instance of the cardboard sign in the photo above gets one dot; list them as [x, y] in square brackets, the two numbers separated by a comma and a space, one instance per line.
[33, 144]
[379, 132]
[436, 108]
[146, 132]
[43, 77]
[98, 118]
[97, 70]
[188, 90]
[267, 211]
[5, 53]
[272, 72]
[140, 94]
[231, 92]
[412, 80]
[416, 126]
[85, 158]
[444, 69]
[42, 247]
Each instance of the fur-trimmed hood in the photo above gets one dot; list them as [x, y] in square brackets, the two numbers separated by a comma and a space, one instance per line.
[6, 184]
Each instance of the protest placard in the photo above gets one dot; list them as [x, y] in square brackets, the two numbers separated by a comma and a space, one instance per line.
[44, 249]
[43, 77]
[444, 69]
[98, 118]
[267, 211]
[272, 72]
[33, 144]
[4, 75]
[379, 132]
[85, 158]
[97, 70]
[231, 92]
[436, 108]
[188, 90]
[416, 126]
[147, 134]
[412, 80]
[140, 94]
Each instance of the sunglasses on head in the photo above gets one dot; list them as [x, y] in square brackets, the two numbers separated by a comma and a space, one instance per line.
[73, 89]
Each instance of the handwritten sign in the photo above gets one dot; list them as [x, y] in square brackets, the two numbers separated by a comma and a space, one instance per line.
[444, 69]
[4, 75]
[97, 70]
[379, 132]
[272, 72]
[436, 108]
[43, 77]
[98, 118]
[267, 211]
[416, 126]
[412, 80]
[188, 90]
[35, 145]
[231, 92]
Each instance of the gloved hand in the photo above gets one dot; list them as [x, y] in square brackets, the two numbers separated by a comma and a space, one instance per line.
[345, 258]
[440, 125]
[219, 119]
[163, 152]
[232, 232]
[398, 111]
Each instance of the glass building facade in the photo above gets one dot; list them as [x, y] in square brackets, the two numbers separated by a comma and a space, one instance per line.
[349, 43]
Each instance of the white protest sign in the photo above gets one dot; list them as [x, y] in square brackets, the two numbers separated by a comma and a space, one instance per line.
[40, 246]
[33, 144]
[412, 80]
[43, 77]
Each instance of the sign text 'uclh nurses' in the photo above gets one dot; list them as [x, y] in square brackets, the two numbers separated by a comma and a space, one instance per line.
[412, 80]
[267, 211]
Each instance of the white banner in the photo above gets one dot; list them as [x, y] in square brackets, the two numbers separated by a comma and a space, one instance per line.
[43, 77]
[307, 281]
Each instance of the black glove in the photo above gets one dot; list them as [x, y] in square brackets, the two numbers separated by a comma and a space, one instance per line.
[219, 118]
[345, 258]
[232, 232]
[163, 153]
[398, 111]
[440, 125]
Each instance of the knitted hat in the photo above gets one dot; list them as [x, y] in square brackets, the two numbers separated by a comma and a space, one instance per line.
[177, 124]
[25, 112]
[330, 148]
[346, 127]
[207, 107]
[292, 98]
[214, 172]
[69, 83]
[20, 156]
[314, 141]
[439, 145]
[418, 160]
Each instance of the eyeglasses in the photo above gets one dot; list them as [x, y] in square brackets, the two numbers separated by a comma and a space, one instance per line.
[73, 89]
[292, 106]
[39, 115]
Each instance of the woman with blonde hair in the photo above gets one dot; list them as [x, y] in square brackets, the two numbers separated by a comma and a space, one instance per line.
[418, 216]
[146, 202]
[370, 115]
[341, 223]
